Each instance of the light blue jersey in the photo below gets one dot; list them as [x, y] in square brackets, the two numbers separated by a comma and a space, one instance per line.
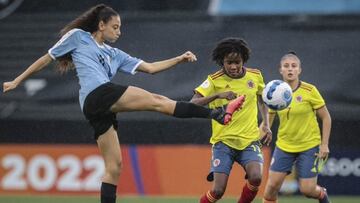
[95, 64]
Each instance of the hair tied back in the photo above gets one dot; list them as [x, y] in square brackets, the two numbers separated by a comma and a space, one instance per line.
[292, 52]
[100, 7]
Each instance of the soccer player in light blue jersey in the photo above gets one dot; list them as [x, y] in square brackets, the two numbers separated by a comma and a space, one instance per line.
[83, 47]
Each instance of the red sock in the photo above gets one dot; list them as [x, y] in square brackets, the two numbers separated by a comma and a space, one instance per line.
[248, 194]
[208, 197]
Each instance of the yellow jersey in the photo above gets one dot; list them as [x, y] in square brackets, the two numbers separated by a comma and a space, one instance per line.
[298, 129]
[243, 129]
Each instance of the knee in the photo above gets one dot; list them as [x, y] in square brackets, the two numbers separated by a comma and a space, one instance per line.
[271, 191]
[114, 169]
[307, 191]
[255, 179]
[218, 192]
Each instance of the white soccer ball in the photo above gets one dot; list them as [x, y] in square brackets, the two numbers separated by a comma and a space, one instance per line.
[277, 95]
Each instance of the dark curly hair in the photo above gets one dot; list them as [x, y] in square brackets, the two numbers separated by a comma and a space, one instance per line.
[230, 45]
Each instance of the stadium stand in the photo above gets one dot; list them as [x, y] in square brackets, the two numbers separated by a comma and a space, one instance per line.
[48, 104]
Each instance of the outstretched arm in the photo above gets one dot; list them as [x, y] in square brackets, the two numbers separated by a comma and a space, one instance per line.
[200, 100]
[33, 68]
[159, 66]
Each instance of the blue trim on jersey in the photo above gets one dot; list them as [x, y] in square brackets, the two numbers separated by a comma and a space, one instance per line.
[136, 168]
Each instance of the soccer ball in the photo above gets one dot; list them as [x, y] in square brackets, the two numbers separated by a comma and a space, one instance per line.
[277, 95]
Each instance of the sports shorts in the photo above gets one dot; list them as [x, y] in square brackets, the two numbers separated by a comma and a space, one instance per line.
[97, 107]
[223, 157]
[305, 162]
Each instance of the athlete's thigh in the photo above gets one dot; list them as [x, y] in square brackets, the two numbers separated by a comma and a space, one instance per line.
[137, 99]
[274, 182]
[308, 183]
[251, 154]
[251, 159]
[307, 163]
[282, 161]
[220, 181]
[222, 158]
[109, 146]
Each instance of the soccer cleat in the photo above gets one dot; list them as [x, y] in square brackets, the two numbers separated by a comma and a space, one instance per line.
[224, 113]
[325, 198]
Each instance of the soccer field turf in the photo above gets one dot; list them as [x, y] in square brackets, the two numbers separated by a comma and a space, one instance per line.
[74, 199]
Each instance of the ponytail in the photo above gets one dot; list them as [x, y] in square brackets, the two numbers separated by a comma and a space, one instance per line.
[292, 53]
[88, 21]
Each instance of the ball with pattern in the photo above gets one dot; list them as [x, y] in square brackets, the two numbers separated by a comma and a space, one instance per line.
[277, 95]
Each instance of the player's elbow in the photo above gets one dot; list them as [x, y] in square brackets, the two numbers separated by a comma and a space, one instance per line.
[147, 68]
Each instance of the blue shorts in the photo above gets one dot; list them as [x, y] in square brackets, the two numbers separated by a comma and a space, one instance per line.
[223, 157]
[305, 162]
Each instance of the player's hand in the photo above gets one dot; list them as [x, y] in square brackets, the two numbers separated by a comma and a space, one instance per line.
[266, 134]
[7, 86]
[188, 57]
[229, 95]
[323, 151]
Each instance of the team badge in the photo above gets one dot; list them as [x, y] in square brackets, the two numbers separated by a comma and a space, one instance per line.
[205, 84]
[250, 84]
[216, 162]
[299, 98]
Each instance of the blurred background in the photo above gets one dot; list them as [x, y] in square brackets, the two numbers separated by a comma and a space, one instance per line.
[44, 136]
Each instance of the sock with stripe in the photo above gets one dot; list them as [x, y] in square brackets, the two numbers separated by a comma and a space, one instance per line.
[209, 197]
[249, 193]
[108, 193]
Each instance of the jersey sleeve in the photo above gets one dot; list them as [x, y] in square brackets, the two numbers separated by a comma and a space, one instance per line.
[316, 99]
[126, 63]
[66, 44]
[206, 88]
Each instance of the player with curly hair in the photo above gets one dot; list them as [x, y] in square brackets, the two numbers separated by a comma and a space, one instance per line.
[238, 141]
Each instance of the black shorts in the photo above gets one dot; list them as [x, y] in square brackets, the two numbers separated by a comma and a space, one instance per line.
[97, 107]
